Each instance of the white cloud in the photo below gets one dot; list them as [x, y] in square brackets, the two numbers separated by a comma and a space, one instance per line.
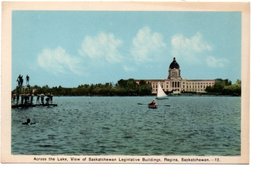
[191, 49]
[216, 62]
[128, 68]
[58, 61]
[196, 49]
[196, 43]
[104, 46]
[145, 44]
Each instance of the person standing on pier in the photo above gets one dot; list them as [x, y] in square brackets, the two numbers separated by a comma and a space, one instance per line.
[42, 98]
[47, 100]
[21, 80]
[31, 99]
[38, 99]
[13, 98]
[18, 81]
[17, 98]
[22, 99]
[27, 80]
[51, 97]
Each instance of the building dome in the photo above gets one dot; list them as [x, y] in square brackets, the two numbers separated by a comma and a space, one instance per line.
[174, 64]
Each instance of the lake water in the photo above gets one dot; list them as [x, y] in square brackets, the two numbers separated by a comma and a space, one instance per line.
[182, 125]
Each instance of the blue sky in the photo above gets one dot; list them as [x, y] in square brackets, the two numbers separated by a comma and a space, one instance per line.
[70, 48]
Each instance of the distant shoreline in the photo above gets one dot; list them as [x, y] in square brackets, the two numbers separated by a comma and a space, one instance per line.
[180, 95]
[127, 88]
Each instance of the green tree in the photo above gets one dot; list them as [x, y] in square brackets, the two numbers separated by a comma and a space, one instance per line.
[225, 87]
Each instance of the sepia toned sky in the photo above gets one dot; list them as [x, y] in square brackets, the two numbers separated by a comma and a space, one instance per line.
[70, 48]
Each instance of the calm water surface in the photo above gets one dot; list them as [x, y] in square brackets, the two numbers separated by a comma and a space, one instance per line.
[121, 126]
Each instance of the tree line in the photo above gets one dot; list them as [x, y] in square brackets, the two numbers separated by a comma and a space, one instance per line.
[225, 87]
[123, 87]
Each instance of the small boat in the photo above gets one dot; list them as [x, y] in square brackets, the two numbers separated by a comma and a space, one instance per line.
[176, 93]
[160, 93]
[152, 105]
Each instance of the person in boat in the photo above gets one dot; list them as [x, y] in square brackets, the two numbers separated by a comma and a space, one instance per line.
[153, 103]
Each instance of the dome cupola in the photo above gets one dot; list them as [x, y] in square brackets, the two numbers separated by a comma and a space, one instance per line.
[174, 64]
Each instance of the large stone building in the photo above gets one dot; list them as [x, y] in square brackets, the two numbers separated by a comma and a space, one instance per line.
[176, 84]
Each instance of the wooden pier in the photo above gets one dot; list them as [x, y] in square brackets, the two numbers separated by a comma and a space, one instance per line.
[23, 96]
[33, 105]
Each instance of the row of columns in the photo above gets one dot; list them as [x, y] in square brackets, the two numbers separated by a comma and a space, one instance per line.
[175, 84]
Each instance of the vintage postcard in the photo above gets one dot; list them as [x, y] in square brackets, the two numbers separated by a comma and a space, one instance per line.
[125, 82]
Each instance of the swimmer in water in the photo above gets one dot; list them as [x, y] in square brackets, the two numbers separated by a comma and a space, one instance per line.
[27, 122]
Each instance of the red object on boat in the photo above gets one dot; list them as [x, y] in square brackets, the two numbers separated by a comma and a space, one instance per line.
[152, 106]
